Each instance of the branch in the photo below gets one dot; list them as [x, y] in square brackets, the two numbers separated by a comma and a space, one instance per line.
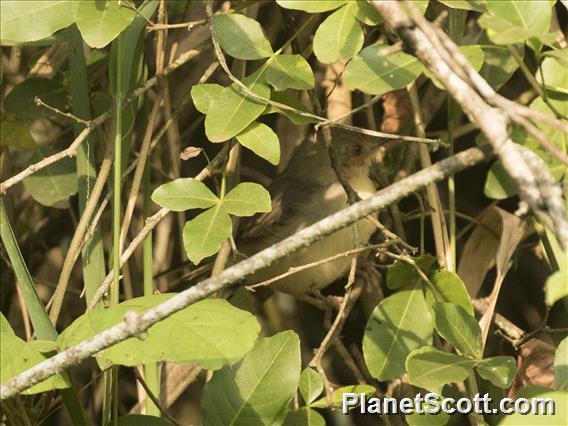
[489, 111]
[136, 324]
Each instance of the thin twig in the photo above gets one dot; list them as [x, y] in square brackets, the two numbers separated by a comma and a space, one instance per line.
[41, 103]
[138, 323]
[155, 400]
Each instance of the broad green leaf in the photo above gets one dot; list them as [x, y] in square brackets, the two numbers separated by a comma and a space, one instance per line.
[459, 328]
[232, 111]
[431, 369]
[421, 5]
[475, 5]
[246, 199]
[473, 53]
[241, 37]
[499, 184]
[203, 235]
[258, 389]
[311, 385]
[22, 21]
[16, 134]
[288, 99]
[427, 418]
[552, 408]
[556, 287]
[184, 194]
[101, 21]
[338, 37]
[20, 101]
[54, 184]
[311, 6]
[305, 416]
[261, 140]
[367, 13]
[373, 73]
[402, 274]
[203, 94]
[289, 72]
[400, 324]
[510, 21]
[555, 74]
[561, 365]
[16, 356]
[499, 65]
[499, 370]
[211, 333]
[337, 395]
[450, 288]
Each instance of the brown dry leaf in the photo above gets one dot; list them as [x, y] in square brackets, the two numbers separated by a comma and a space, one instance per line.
[190, 152]
[480, 250]
[535, 366]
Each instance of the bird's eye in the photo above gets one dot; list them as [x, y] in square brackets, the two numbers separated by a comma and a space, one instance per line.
[357, 149]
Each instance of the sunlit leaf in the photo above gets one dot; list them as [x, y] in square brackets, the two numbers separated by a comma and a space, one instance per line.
[555, 73]
[400, 324]
[101, 21]
[338, 37]
[499, 184]
[184, 194]
[258, 389]
[449, 288]
[246, 199]
[311, 6]
[311, 385]
[211, 333]
[203, 94]
[241, 37]
[499, 370]
[337, 395]
[374, 73]
[261, 140]
[459, 328]
[289, 72]
[203, 235]
[561, 365]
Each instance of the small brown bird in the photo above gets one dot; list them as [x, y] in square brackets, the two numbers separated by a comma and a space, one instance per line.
[307, 191]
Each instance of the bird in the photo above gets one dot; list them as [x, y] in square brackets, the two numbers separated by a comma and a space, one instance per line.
[305, 192]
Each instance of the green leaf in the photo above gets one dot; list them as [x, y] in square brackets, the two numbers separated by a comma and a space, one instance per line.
[459, 328]
[289, 72]
[203, 94]
[499, 184]
[101, 21]
[290, 100]
[23, 21]
[261, 140]
[427, 419]
[556, 287]
[555, 402]
[338, 37]
[400, 324]
[17, 356]
[20, 101]
[555, 73]
[511, 22]
[211, 333]
[561, 365]
[431, 369]
[373, 73]
[402, 274]
[203, 235]
[475, 5]
[54, 184]
[16, 134]
[499, 370]
[311, 6]
[258, 389]
[337, 395]
[450, 289]
[311, 385]
[247, 199]
[367, 13]
[184, 194]
[232, 111]
[304, 417]
[499, 65]
[241, 37]
[473, 53]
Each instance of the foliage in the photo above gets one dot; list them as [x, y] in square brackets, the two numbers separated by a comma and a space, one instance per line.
[287, 60]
